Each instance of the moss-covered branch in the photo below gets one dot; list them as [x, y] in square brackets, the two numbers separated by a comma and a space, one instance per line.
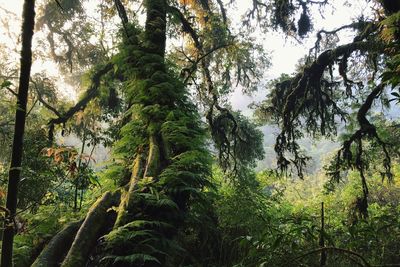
[98, 219]
[310, 96]
[91, 93]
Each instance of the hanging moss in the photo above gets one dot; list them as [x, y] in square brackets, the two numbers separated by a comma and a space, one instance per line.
[304, 24]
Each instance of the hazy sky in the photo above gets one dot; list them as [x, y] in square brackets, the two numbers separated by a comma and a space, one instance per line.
[285, 52]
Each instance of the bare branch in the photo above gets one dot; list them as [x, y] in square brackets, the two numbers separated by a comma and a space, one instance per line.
[42, 101]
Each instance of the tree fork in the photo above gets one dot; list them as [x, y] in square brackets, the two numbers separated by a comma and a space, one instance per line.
[28, 22]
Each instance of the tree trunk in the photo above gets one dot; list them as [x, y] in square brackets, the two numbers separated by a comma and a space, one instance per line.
[155, 37]
[124, 205]
[96, 223]
[322, 237]
[55, 251]
[28, 21]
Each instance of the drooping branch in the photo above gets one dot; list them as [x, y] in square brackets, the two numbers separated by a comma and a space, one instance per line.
[67, 39]
[309, 96]
[363, 25]
[202, 54]
[91, 93]
[121, 11]
[193, 68]
[186, 26]
[224, 124]
[44, 102]
[312, 75]
[345, 154]
[123, 16]
[366, 128]
[223, 11]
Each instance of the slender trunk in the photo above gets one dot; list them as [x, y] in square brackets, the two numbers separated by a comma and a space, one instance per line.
[79, 177]
[322, 237]
[28, 17]
[81, 199]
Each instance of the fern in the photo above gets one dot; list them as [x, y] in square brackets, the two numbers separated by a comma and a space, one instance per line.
[132, 259]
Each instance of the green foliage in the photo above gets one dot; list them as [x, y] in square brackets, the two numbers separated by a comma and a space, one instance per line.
[238, 141]
[39, 175]
[175, 211]
[277, 222]
[391, 75]
[36, 230]
[164, 130]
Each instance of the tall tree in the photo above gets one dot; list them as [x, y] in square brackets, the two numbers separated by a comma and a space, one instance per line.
[161, 148]
[28, 22]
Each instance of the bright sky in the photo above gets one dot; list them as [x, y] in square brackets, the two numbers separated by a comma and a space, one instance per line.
[285, 52]
[15, 7]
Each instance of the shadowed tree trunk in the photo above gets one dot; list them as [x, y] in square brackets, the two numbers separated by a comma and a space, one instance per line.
[92, 228]
[59, 245]
[28, 20]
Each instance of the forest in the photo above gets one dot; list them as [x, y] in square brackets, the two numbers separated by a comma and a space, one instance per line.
[155, 133]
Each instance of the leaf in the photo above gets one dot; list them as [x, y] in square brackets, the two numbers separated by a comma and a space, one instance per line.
[167, 203]
[5, 84]
[277, 242]
[93, 180]
[133, 258]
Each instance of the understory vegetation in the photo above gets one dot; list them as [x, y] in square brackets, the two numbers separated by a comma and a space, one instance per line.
[151, 165]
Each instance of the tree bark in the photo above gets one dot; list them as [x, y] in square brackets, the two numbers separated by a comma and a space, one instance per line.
[154, 44]
[126, 196]
[28, 21]
[96, 222]
[53, 253]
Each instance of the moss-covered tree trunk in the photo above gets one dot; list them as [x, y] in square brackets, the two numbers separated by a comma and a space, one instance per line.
[92, 228]
[148, 162]
[54, 252]
[166, 145]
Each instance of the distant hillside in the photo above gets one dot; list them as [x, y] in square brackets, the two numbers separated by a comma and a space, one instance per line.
[318, 150]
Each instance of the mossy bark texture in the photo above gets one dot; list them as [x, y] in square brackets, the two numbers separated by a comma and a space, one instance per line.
[91, 229]
[54, 252]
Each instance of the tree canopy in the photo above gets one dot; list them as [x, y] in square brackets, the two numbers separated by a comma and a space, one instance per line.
[182, 185]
